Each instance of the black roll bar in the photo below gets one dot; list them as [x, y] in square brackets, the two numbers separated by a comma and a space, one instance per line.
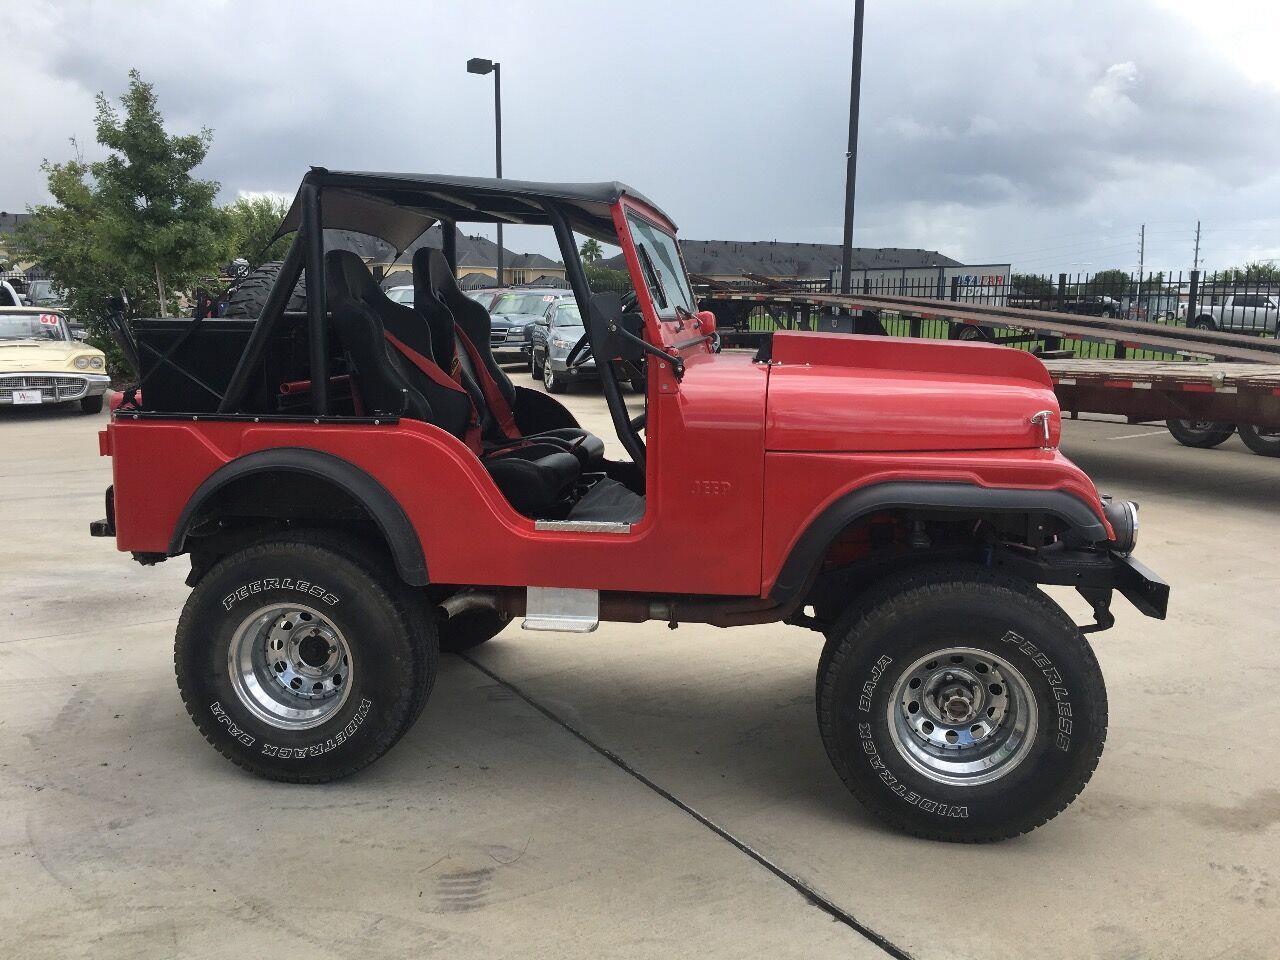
[272, 311]
[317, 331]
[608, 380]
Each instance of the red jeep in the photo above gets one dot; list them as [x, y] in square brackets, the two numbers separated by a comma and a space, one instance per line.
[359, 486]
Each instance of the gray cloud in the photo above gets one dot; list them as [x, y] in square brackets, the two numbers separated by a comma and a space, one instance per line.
[1041, 132]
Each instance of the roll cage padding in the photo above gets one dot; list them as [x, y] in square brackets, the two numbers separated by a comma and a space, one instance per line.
[372, 496]
[808, 551]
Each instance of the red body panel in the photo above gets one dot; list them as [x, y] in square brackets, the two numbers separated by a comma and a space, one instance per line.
[836, 393]
[701, 532]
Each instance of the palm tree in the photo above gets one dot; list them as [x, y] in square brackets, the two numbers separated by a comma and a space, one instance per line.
[590, 251]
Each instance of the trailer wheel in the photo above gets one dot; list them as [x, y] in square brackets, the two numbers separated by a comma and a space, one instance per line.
[1265, 443]
[969, 332]
[1200, 433]
[249, 296]
[301, 663]
[963, 706]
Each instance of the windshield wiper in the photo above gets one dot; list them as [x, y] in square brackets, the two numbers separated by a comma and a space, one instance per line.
[655, 281]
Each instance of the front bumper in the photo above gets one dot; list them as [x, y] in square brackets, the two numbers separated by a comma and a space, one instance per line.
[583, 371]
[57, 387]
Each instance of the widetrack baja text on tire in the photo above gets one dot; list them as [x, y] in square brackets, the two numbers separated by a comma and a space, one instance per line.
[392, 646]
[948, 607]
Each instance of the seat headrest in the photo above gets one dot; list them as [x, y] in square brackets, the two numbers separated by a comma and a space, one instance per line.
[348, 277]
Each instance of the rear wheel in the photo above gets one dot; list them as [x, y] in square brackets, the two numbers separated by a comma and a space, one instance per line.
[1203, 323]
[1200, 433]
[970, 332]
[1265, 443]
[963, 705]
[300, 662]
[91, 404]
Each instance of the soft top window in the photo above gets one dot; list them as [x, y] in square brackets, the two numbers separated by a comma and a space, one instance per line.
[662, 267]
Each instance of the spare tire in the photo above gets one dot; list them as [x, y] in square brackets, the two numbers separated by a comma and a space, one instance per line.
[248, 297]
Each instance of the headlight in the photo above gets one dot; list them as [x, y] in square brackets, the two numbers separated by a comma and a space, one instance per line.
[562, 344]
[96, 363]
[82, 363]
[1123, 517]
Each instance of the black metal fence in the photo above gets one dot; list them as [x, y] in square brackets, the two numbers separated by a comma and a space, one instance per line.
[1239, 301]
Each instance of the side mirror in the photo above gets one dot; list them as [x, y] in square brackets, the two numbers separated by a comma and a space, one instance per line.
[707, 319]
[603, 318]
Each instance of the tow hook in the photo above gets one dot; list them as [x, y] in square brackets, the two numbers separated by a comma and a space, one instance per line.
[1100, 600]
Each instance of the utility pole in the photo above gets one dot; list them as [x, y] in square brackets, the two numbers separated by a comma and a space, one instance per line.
[851, 156]
[1142, 259]
[1195, 262]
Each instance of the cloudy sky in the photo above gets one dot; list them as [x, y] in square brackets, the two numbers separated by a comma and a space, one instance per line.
[1038, 133]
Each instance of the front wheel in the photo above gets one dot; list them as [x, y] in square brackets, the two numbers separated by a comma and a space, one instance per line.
[962, 705]
[1265, 443]
[1200, 433]
[301, 663]
[553, 383]
[535, 370]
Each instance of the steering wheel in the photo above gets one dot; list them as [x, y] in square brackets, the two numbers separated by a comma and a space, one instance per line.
[580, 353]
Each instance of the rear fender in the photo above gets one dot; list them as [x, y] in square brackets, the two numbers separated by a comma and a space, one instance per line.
[381, 506]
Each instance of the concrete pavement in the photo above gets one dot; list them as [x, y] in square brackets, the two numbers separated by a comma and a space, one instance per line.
[491, 831]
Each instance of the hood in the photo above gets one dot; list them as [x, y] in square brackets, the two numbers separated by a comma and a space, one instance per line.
[510, 318]
[838, 392]
[33, 355]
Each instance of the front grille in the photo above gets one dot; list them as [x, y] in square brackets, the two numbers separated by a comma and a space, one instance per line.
[52, 389]
[497, 336]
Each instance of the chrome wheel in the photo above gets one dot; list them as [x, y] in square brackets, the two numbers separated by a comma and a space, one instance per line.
[290, 666]
[962, 716]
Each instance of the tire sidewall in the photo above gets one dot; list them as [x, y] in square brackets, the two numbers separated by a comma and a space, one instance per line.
[1066, 687]
[380, 684]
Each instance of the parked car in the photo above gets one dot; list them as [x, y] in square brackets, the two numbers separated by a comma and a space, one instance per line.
[403, 294]
[511, 315]
[554, 336]
[42, 363]
[1094, 307]
[1245, 312]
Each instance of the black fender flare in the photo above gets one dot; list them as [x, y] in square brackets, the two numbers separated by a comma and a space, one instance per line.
[402, 539]
[957, 497]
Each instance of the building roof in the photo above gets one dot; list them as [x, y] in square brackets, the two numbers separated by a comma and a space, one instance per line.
[9, 221]
[773, 258]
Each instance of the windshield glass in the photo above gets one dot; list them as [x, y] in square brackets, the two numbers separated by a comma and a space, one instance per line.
[32, 326]
[521, 303]
[567, 315]
[663, 269]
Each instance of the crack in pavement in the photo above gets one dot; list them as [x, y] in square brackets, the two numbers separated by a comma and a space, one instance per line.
[812, 896]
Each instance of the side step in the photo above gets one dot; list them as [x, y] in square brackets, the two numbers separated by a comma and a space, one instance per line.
[561, 609]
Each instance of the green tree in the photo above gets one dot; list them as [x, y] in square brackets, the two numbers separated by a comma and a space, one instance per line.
[1107, 283]
[137, 220]
[1030, 285]
[591, 251]
[1257, 272]
[251, 222]
[602, 279]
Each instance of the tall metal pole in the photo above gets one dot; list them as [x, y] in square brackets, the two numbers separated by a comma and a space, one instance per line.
[1195, 262]
[497, 120]
[851, 172]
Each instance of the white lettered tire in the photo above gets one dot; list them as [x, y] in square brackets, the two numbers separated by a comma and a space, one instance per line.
[961, 704]
[300, 663]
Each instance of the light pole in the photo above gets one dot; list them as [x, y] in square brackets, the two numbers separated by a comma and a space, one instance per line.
[479, 65]
[851, 171]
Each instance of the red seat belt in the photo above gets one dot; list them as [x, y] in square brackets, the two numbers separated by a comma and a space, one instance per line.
[433, 372]
[493, 395]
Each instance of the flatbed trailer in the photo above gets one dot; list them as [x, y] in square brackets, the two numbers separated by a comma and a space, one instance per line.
[1224, 377]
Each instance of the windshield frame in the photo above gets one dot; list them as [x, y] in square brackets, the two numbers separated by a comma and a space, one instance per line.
[39, 321]
[666, 280]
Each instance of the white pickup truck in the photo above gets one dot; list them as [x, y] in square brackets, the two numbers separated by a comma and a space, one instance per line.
[1247, 312]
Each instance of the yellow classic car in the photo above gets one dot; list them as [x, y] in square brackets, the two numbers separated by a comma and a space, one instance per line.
[41, 363]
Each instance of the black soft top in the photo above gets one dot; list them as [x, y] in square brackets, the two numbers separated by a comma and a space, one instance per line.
[399, 207]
